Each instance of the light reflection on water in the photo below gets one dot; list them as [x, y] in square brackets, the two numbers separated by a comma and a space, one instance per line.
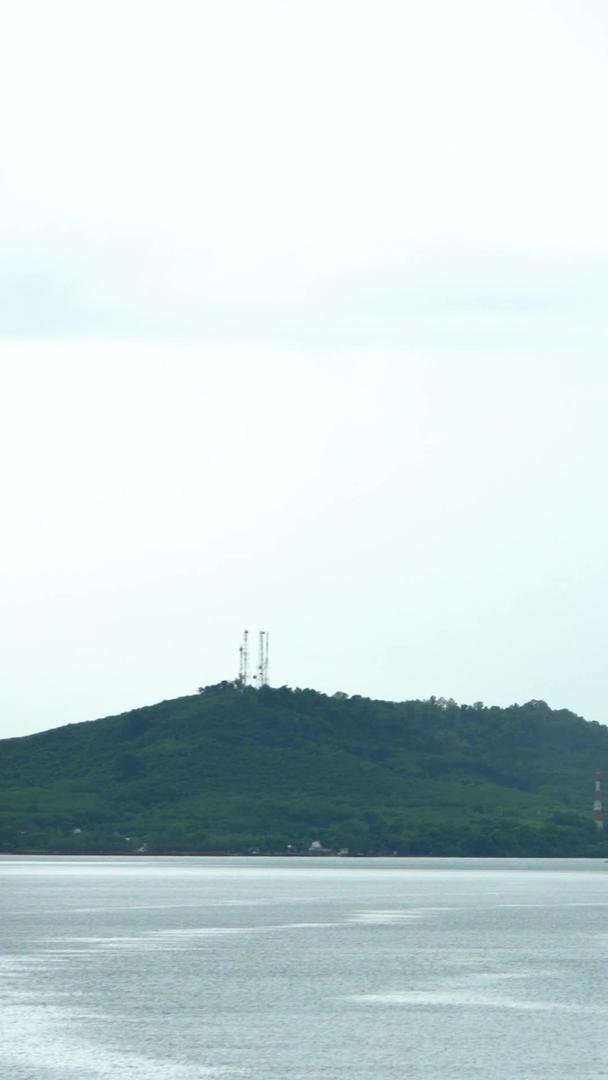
[302, 970]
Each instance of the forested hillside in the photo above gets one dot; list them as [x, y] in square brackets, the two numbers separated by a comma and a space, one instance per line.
[274, 769]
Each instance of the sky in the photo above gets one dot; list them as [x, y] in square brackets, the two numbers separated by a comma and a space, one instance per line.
[302, 328]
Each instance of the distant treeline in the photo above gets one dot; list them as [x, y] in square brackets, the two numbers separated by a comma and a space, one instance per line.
[272, 770]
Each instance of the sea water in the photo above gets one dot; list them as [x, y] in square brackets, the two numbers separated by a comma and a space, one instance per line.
[303, 969]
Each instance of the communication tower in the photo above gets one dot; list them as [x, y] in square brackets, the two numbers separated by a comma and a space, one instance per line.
[262, 678]
[598, 809]
[266, 661]
[243, 661]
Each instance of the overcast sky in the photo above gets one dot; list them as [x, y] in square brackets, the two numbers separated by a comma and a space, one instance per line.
[302, 328]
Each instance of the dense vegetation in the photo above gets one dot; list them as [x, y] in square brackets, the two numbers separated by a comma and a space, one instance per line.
[272, 770]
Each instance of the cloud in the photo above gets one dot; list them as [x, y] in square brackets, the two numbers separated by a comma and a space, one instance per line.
[297, 174]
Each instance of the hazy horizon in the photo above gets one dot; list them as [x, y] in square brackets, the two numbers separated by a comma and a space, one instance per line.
[302, 328]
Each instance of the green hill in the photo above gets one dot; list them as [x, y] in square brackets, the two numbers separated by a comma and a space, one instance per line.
[230, 771]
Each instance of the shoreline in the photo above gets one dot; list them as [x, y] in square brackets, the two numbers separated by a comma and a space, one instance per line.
[281, 855]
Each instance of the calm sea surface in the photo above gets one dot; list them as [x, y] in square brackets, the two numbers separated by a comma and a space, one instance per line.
[301, 969]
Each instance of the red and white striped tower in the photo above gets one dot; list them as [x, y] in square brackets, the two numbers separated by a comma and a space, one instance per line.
[598, 810]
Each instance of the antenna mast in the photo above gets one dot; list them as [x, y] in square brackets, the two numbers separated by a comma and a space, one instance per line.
[265, 680]
[261, 661]
[244, 660]
[598, 809]
[262, 677]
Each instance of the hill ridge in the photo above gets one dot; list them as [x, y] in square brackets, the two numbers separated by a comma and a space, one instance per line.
[274, 769]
